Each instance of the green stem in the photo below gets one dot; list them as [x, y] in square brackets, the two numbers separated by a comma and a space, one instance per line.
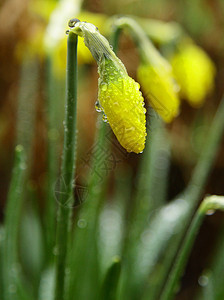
[67, 169]
[84, 267]
[161, 32]
[210, 203]
[147, 50]
[52, 161]
[114, 39]
[12, 220]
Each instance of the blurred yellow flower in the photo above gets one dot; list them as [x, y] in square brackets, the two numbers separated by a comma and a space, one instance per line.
[119, 96]
[194, 71]
[160, 90]
[42, 8]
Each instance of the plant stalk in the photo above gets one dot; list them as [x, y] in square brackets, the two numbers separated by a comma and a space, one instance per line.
[67, 169]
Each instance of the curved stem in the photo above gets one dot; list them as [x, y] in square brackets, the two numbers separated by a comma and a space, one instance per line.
[147, 50]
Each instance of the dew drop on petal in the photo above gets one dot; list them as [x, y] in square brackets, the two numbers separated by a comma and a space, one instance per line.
[98, 107]
[104, 118]
[104, 87]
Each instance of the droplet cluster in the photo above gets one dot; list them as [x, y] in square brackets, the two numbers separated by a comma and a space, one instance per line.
[123, 104]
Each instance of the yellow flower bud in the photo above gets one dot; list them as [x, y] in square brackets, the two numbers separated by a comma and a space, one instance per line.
[123, 105]
[194, 72]
[118, 94]
[160, 90]
[154, 72]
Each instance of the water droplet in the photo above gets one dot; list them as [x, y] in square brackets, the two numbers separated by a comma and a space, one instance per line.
[104, 118]
[210, 212]
[203, 280]
[104, 87]
[111, 47]
[67, 31]
[82, 223]
[98, 107]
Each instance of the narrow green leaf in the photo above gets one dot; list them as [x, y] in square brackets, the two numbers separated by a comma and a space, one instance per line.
[110, 283]
[209, 204]
[11, 266]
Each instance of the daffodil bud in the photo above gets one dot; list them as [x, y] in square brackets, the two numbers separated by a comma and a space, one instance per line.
[154, 73]
[194, 72]
[160, 90]
[119, 96]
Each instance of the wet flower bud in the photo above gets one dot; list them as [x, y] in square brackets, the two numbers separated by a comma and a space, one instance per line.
[119, 96]
[160, 90]
[154, 73]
